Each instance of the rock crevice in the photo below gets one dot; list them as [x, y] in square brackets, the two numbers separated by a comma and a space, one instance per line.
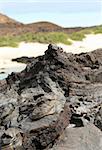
[55, 90]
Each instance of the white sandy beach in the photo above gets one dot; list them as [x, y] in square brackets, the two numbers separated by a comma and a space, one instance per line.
[90, 43]
[7, 66]
[24, 49]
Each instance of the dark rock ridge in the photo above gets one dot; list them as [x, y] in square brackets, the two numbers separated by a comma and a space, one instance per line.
[24, 59]
[55, 91]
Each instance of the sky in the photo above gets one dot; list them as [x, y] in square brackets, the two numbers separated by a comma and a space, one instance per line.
[67, 13]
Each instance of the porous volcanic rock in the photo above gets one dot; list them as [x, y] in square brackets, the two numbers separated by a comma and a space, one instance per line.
[33, 108]
[98, 119]
[55, 90]
[24, 59]
[82, 138]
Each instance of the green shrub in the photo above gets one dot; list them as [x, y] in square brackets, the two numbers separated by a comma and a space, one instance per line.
[51, 37]
[48, 37]
[97, 30]
[8, 41]
[77, 36]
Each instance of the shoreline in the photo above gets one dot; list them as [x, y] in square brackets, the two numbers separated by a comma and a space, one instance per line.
[90, 43]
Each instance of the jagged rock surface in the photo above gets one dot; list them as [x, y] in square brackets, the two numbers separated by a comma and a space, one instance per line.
[33, 108]
[35, 104]
[24, 59]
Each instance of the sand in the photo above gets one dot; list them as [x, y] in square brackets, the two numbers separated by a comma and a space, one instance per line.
[90, 43]
[7, 66]
[24, 49]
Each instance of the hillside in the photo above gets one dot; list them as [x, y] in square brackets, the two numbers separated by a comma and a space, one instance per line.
[13, 32]
[10, 26]
[44, 26]
[6, 20]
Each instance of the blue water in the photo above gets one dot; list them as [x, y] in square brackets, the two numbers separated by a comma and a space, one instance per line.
[9, 68]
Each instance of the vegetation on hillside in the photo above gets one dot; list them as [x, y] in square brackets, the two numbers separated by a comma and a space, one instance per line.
[77, 36]
[80, 35]
[8, 41]
[51, 37]
[97, 29]
[48, 37]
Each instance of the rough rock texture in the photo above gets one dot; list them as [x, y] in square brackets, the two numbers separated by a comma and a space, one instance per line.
[33, 108]
[83, 138]
[98, 119]
[24, 59]
[54, 90]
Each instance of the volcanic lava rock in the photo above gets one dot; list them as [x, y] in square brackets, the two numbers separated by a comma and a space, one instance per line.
[98, 119]
[34, 110]
[23, 59]
[55, 90]
[88, 137]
